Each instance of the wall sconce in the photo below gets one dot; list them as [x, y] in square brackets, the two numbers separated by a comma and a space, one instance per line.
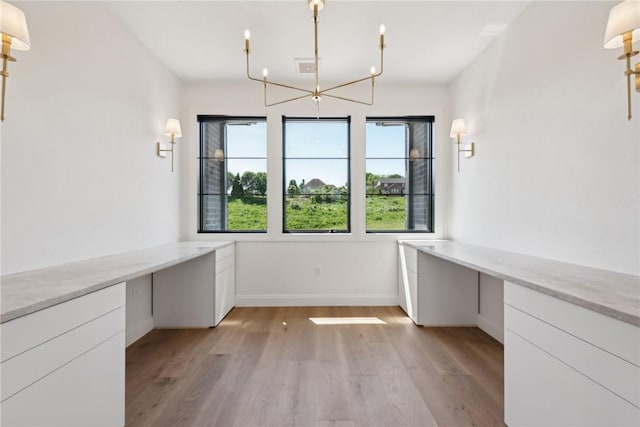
[623, 28]
[172, 129]
[414, 154]
[218, 154]
[13, 27]
[458, 128]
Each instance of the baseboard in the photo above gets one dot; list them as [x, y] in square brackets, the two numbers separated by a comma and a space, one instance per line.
[496, 331]
[140, 330]
[315, 300]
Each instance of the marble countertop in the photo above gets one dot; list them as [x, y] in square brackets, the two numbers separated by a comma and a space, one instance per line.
[29, 291]
[610, 293]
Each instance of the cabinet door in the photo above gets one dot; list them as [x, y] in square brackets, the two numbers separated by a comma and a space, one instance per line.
[408, 280]
[225, 282]
[87, 391]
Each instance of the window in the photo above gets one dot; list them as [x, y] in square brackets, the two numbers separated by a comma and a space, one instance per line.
[399, 176]
[316, 175]
[232, 191]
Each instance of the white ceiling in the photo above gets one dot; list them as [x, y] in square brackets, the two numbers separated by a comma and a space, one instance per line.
[427, 41]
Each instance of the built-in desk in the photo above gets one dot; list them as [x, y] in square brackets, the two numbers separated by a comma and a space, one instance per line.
[571, 333]
[62, 328]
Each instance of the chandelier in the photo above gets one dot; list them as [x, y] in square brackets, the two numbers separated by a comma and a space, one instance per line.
[316, 94]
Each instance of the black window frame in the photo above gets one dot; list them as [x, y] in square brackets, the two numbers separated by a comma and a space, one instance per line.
[431, 179]
[202, 119]
[285, 119]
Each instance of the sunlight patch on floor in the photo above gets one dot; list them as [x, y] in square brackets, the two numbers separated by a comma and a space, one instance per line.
[347, 321]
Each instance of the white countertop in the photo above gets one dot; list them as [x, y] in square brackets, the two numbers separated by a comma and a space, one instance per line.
[610, 293]
[29, 291]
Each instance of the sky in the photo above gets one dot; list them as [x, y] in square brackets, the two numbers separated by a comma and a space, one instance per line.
[316, 149]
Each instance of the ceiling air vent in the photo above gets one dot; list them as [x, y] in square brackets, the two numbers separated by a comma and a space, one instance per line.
[305, 65]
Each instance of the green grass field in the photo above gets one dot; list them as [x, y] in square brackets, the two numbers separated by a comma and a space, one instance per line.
[249, 213]
[303, 214]
[385, 213]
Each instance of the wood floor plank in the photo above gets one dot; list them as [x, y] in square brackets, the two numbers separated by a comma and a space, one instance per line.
[356, 350]
[274, 367]
[407, 407]
[222, 405]
[332, 388]
[488, 371]
[296, 401]
[369, 401]
[182, 409]
[335, 423]
[446, 408]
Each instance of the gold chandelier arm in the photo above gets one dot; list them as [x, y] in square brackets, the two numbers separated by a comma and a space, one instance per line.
[370, 77]
[315, 41]
[306, 91]
[351, 100]
[281, 102]
[322, 92]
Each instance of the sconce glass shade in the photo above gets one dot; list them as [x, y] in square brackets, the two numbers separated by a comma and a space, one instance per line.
[173, 128]
[458, 128]
[14, 24]
[414, 154]
[218, 154]
[623, 18]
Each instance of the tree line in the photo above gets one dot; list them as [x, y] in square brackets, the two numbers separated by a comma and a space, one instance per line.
[248, 183]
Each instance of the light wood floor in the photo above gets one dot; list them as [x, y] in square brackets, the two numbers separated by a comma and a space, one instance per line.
[253, 370]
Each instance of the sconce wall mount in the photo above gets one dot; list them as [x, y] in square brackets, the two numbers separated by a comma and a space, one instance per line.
[458, 128]
[623, 28]
[173, 130]
[14, 31]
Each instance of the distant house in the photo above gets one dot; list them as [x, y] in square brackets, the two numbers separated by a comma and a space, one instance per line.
[313, 184]
[391, 186]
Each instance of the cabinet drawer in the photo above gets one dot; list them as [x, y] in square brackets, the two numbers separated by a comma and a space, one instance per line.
[23, 333]
[540, 390]
[224, 264]
[611, 372]
[617, 337]
[225, 252]
[87, 391]
[34, 364]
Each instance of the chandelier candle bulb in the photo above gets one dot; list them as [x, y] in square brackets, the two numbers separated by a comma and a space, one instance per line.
[247, 37]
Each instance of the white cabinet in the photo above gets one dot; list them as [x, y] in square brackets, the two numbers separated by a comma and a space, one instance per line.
[566, 365]
[197, 293]
[65, 365]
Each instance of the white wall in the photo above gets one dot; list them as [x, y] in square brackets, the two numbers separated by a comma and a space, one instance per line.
[279, 269]
[557, 170]
[85, 107]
